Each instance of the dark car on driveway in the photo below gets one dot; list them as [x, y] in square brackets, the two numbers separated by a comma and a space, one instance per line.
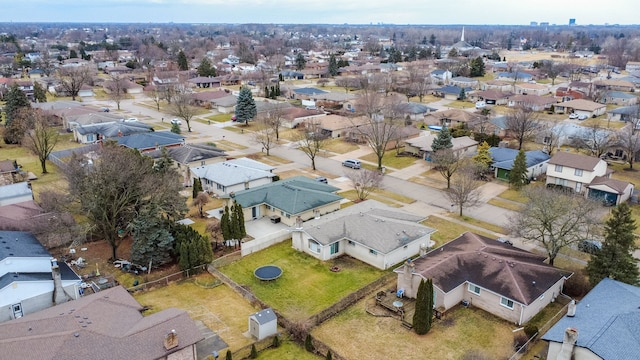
[590, 246]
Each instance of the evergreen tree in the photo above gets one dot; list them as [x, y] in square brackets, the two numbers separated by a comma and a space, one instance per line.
[329, 356]
[333, 65]
[483, 157]
[462, 95]
[225, 224]
[205, 68]
[175, 128]
[423, 316]
[476, 67]
[228, 356]
[152, 242]
[73, 54]
[615, 259]
[39, 93]
[246, 106]
[432, 40]
[267, 94]
[197, 188]
[442, 141]
[300, 61]
[183, 64]
[15, 102]
[254, 352]
[308, 344]
[164, 163]
[239, 216]
[276, 342]
[518, 173]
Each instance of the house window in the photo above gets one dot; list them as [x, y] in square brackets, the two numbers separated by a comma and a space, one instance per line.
[506, 303]
[246, 185]
[219, 186]
[202, 163]
[335, 247]
[474, 289]
[578, 172]
[373, 252]
[558, 168]
[314, 246]
[90, 137]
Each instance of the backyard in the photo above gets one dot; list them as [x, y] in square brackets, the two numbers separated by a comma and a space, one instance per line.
[307, 285]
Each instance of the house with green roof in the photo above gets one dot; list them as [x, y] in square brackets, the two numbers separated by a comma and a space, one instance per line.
[287, 200]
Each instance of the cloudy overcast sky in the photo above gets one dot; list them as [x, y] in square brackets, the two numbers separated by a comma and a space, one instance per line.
[503, 12]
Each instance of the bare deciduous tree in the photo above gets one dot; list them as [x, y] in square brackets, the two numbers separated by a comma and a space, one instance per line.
[554, 219]
[72, 78]
[447, 162]
[181, 107]
[629, 141]
[116, 87]
[464, 191]
[200, 201]
[154, 95]
[365, 181]
[42, 138]
[595, 140]
[265, 134]
[311, 141]
[523, 123]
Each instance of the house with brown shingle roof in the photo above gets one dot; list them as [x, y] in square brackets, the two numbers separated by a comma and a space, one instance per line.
[105, 325]
[535, 102]
[580, 107]
[506, 281]
[587, 175]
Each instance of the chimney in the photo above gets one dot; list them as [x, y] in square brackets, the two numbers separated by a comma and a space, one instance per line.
[571, 310]
[298, 224]
[171, 340]
[568, 344]
[59, 295]
[408, 269]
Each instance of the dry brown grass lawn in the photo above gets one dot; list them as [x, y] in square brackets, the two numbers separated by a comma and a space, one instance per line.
[220, 308]
[359, 335]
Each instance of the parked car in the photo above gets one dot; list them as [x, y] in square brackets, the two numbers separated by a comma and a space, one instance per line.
[104, 109]
[233, 117]
[573, 116]
[132, 119]
[583, 117]
[481, 104]
[590, 246]
[322, 179]
[504, 241]
[351, 163]
[176, 121]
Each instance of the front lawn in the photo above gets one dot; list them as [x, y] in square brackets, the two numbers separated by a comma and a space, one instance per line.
[339, 146]
[390, 160]
[359, 335]
[307, 285]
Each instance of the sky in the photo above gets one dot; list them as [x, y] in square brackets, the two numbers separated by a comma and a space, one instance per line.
[441, 12]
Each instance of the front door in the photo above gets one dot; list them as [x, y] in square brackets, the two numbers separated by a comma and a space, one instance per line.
[17, 310]
[255, 212]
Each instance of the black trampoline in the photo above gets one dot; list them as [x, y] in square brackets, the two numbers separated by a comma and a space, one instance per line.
[268, 272]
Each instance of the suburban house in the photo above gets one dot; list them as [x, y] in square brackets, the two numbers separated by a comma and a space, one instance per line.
[292, 117]
[517, 76]
[233, 175]
[491, 97]
[30, 279]
[451, 118]
[336, 126]
[440, 76]
[464, 82]
[451, 92]
[587, 175]
[625, 113]
[506, 281]
[535, 102]
[531, 89]
[503, 159]
[151, 141]
[581, 107]
[370, 231]
[15, 193]
[287, 200]
[498, 85]
[106, 325]
[603, 325]
[620, 98]
[421, 146]
[568, 93]
[191, 155]
[415, 111]
[88, 134]
[614, 84]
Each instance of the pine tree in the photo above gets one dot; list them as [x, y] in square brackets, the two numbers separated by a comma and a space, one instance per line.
[308, 343]
[239, 215]
[183, 64]
[276, 341]
[483, 156]
[39, 93]
[228, 356]
[442, 141]
[329, 356]
[476, 67]
[300, 61]
[205, 68]
[225, 224]
[175, 128]
[267, 94]
[615, 259]
[254, 352]
[152, 242]
[333, 65]
[462, 95]
[518, 174]
[197, 188]
[164, 163]
[423, 315]
[16, 101]
[246, 106]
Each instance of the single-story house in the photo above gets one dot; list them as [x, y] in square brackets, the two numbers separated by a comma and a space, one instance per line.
[503, 159]
[451, 118]
[150, 141]
[620, 98]
[535, 102]
[568, 93]
[292, 117]
[225, 104]
[30, 279]
[90, 133]
[336, 126]
[287, 200]
[205, 81]
[464, 82]
[506, 281]
[415, 111]
[305, 93]
[581, 107]
[498, 85]
[370, 231]
[191, 155]
[102, 326]
[421, 146]
[451, 92]
[233, 175]
[517, 76]
[205, 98]
[625, 113]
[614, 84]
[491, 97]
[532, 89]
[603, 325]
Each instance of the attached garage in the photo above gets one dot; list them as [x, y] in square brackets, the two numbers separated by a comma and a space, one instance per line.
[610, 191]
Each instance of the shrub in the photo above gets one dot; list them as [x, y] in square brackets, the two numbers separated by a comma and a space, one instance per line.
[519, 340]
[276, 341]
[254, 352]
[577, 285]
[530, 330]
[308, 344]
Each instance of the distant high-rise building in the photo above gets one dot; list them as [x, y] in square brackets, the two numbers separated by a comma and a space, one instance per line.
[545, 23]
[572, 21]
[533, 23]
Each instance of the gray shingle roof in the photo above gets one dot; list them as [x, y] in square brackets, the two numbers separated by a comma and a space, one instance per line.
[369, 223]
[20, 244]
[293, 196]
[232, 172]
[113, 129]
[150, 140]
[503, 157]
[607, 320]
[264, 316]
[189, 152]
